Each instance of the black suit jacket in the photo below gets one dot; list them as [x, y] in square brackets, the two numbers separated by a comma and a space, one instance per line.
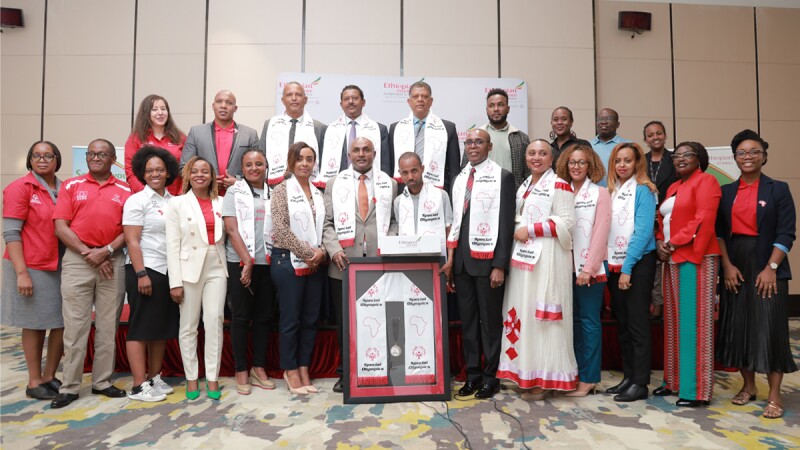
[463, 262]
[775, 219]
[453, 159]
[665, 175]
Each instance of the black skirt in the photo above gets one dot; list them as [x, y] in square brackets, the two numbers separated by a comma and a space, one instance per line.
[753, 331]
[154, 317]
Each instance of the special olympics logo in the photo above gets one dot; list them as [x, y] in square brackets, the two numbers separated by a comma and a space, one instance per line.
[343, 218]
[429, 205]
[332, 163]
[484, 228]
[373, 290]
[418, 351]
[372, 353]
[585, 253]
[415, 290]
[434, 166]
[621, 242]
[276, 159]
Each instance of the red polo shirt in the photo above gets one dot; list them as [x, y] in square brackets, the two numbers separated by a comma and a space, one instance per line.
[224, 143]
[133, 144]
[743, 213]
[95, 210]
[27, 200]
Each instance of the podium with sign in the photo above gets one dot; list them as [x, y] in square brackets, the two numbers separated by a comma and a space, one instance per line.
[395, 320]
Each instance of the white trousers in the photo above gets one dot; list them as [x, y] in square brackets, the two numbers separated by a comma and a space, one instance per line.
[208, 295]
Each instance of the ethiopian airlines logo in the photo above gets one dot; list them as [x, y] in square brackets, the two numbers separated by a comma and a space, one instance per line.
[512, 92]
[397, 90]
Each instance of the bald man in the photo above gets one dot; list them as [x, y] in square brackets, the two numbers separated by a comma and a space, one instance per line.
[283, 130]
[221, 141]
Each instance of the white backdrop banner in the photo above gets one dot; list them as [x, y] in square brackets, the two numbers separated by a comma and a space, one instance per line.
[459, 100]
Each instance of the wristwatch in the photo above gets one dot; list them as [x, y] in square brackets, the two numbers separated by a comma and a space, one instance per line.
[142, 273]
[773, 266]
[110, 249]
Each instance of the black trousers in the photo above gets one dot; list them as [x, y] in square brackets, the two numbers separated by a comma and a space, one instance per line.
[481, 309]
[336, 299]
[300, 299]
[631, 308]
[250, 306]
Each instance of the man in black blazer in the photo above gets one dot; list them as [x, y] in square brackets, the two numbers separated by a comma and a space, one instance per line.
[202, 140]
[420, 100]
[479, 283]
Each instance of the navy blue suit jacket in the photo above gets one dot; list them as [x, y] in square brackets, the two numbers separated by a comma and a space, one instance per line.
[775, 219]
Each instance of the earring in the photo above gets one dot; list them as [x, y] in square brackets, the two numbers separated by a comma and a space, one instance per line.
[553, 135]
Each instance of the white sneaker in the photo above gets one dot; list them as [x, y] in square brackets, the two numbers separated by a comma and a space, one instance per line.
[146, 393]
[161, 385]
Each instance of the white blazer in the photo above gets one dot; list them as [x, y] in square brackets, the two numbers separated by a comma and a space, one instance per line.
[187, 238]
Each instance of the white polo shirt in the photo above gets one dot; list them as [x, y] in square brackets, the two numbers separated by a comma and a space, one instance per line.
[147, 209]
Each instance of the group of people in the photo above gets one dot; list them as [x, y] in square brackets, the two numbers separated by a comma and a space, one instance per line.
[223, 214]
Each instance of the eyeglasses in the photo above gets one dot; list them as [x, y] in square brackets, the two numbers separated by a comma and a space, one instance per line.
[155, 171]
[580, 163]
[477, 142]
[605, 119]
[755, 153]
[49, 157]
[684, 155]
[93, 155]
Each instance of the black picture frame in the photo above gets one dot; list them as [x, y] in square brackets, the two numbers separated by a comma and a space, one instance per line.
[358, 277]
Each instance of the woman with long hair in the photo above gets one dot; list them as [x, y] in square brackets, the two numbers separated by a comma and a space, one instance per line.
[154, 126]
[153, 314]
[298, 213]
[582, 168]
[32, 267]
[632, 265]
[197, 270]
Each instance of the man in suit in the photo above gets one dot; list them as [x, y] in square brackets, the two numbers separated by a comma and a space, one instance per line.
[435, 140]
[479, 245]
[88, 220]
[372, 192]
[508, 143]
[340, 134]
[283, 130]
[222, 141]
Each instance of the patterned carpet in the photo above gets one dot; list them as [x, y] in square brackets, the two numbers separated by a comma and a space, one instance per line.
[275, 419]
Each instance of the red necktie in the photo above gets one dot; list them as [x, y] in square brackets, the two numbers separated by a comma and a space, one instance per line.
[363, 198]
[468, 192]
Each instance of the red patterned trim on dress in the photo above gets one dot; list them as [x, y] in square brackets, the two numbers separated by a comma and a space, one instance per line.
[539, 382]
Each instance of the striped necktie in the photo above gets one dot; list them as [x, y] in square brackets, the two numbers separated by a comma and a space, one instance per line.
[468, 191]
[419, 138]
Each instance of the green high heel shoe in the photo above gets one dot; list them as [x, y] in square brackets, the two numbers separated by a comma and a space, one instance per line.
[192, 395]
[213, 395]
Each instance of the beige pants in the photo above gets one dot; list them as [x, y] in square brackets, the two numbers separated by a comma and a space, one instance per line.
[82, 287]
[207, 294]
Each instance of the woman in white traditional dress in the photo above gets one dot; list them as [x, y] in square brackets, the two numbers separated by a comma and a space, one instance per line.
[537, 348]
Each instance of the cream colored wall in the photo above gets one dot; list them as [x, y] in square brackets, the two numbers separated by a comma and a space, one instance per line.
[92, 86]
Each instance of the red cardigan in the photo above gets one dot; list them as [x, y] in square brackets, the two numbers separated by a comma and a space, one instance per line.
[692, 224]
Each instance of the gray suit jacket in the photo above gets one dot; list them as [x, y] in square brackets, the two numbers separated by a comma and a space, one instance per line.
[364, 231]
[201, 142]
[319, 131]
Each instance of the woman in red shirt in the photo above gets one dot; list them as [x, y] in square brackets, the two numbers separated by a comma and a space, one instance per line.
[32, 267]
[686, 241]
[153, 126]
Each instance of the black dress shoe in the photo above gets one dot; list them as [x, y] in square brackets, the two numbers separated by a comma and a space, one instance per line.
[691, 403]
[63, 400]
[633, 393]
[468, 389]
[53, 385]
[111, 391]
[621, 387]
[338, 386]
[40, 392]
[488, 390]
[663, 392]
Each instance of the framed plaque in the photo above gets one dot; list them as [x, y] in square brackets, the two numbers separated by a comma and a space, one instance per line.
[395, 347]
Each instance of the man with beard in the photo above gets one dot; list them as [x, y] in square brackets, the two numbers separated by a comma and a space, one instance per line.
[508, 143]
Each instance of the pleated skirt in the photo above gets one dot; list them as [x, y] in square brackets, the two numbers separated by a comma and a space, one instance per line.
[753, 331]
